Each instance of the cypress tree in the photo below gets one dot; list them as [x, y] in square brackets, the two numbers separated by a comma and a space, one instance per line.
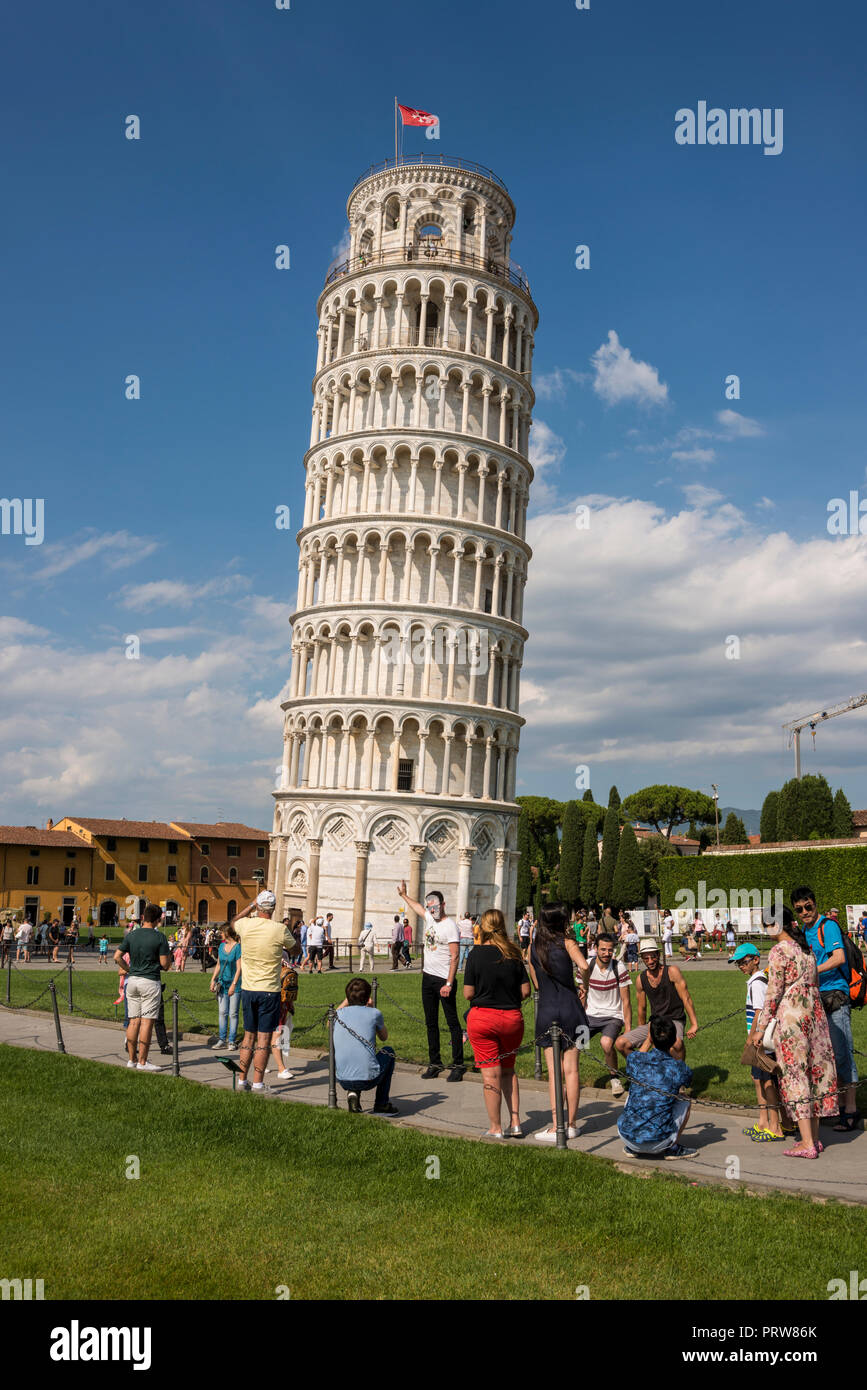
[613, 798]
[843, 826]
[537, 899]
[571, 854]
[608, 862]
[588, 795]
[768, 822]
[589, 866]
[734, 831]
[524, 882]
[818, 806]
[628, 889]
[790, 817]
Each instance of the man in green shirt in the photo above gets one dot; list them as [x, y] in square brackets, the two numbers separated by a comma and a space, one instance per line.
[148, 952]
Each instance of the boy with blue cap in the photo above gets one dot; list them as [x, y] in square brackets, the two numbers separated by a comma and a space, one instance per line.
[768, 1130]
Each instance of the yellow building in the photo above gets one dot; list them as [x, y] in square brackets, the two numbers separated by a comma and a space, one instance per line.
[134, 863]
[45, 872]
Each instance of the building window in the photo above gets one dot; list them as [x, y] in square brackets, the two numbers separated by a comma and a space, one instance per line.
[71, 853]
[32, 875]
[142, 873]
[31, 909]
[144, 846]
[69, 878]
[489, 597]
[205, 876]
[404, 775]
[109, 873]
[173, 846]
[111, 843]
[232, 909]
[260, 851]
[233, 875]
[233, 851]
[205, 850]
[173, 873]
[34, 854]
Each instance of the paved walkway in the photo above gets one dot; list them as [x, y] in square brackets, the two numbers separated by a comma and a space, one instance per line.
[458, 1108]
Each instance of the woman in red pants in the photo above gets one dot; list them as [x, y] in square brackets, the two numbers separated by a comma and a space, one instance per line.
[495, 983]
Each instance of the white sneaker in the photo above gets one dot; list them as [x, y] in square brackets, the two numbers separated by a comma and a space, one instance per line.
[616, 1087]
[572, 1132]
[146, 1066]
[131, 1066]
[546, 1136]
[285, 1075]
[242, 1085]
[258, 1086]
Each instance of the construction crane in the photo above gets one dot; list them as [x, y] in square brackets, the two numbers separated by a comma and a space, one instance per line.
[811, 720]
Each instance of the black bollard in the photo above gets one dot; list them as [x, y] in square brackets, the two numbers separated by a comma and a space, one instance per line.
[350, 957]
[176, 1061]
[537, 1066]
[9, 976]
[558, 1087]
[375, 992]
[56, 1012]
[332, 1068]
[69, 983]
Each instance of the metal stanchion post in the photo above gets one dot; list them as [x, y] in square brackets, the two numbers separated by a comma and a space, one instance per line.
[176, 1061]
[56, 1012]
[9, 977]
[332, 1069]
[558, 1087]
[350, 957]
[537, 1066]
[69, 983]
[375, 992]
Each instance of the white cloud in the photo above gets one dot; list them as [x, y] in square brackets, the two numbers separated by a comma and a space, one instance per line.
[174, 593]
[699, 496]
[766, 504]
[546, 453]
[737, 426]
[117, 550]
[620, 377]
[554, 385]
[700, 456]
[340, 252]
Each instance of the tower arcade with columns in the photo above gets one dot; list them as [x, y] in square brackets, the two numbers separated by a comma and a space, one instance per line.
[402, 723]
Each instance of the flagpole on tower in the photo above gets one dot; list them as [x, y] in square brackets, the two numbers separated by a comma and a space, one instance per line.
[395, 130]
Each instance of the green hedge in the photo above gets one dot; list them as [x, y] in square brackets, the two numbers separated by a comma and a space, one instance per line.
[837, 876]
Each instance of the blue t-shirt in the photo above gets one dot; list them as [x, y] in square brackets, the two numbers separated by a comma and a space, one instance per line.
[228, 958]
[354, 1061]
[648, 1116]
[829, 979]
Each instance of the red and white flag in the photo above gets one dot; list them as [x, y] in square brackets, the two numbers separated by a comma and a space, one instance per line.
[410, 116]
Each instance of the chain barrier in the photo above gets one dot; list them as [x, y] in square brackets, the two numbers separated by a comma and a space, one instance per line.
[308, 1028]
[14, 1008]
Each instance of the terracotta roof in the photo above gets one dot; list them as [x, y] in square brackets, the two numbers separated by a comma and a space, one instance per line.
[785, 844]
[29, 835]
[754, 839]
[859, 819]
[673, 840]
[134, 829]
[223, 830]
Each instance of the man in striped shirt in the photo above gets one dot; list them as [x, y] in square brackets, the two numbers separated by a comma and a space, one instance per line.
[607, 1003]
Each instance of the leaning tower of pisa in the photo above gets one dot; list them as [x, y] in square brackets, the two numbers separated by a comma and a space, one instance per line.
[401, 728]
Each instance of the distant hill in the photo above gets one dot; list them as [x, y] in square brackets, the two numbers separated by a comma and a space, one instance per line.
[751, 820]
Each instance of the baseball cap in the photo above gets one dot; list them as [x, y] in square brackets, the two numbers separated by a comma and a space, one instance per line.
[647, 943]
[745, 949]
[266, 898]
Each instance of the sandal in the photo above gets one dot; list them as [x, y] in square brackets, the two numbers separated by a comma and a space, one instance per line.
[847, 1122]
[801, 1153]
[767, 1136]
[753, 1132]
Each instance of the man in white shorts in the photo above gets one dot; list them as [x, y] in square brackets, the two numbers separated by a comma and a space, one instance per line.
[148, 952]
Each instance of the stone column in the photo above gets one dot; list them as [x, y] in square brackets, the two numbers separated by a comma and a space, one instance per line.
[417, 852]
[465, 859]
[359, 901]
[500, 878]
[314, 847]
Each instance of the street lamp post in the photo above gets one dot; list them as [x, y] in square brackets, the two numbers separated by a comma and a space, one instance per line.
[716, 808]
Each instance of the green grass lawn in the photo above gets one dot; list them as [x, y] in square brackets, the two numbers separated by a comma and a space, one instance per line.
[713, 1055]
[238, 1195]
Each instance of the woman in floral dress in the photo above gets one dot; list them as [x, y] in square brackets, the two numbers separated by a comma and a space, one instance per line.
[802, 1042]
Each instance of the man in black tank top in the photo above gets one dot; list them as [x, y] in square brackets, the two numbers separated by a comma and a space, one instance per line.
[665, 989]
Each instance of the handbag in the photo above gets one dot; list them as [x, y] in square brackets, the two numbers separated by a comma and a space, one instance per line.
[754, 1055]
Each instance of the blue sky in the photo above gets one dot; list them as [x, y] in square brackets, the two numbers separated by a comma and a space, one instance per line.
[156, 257]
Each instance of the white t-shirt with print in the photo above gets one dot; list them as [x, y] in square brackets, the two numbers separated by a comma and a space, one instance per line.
[437, 938]
[315, 936]
[465, 927]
